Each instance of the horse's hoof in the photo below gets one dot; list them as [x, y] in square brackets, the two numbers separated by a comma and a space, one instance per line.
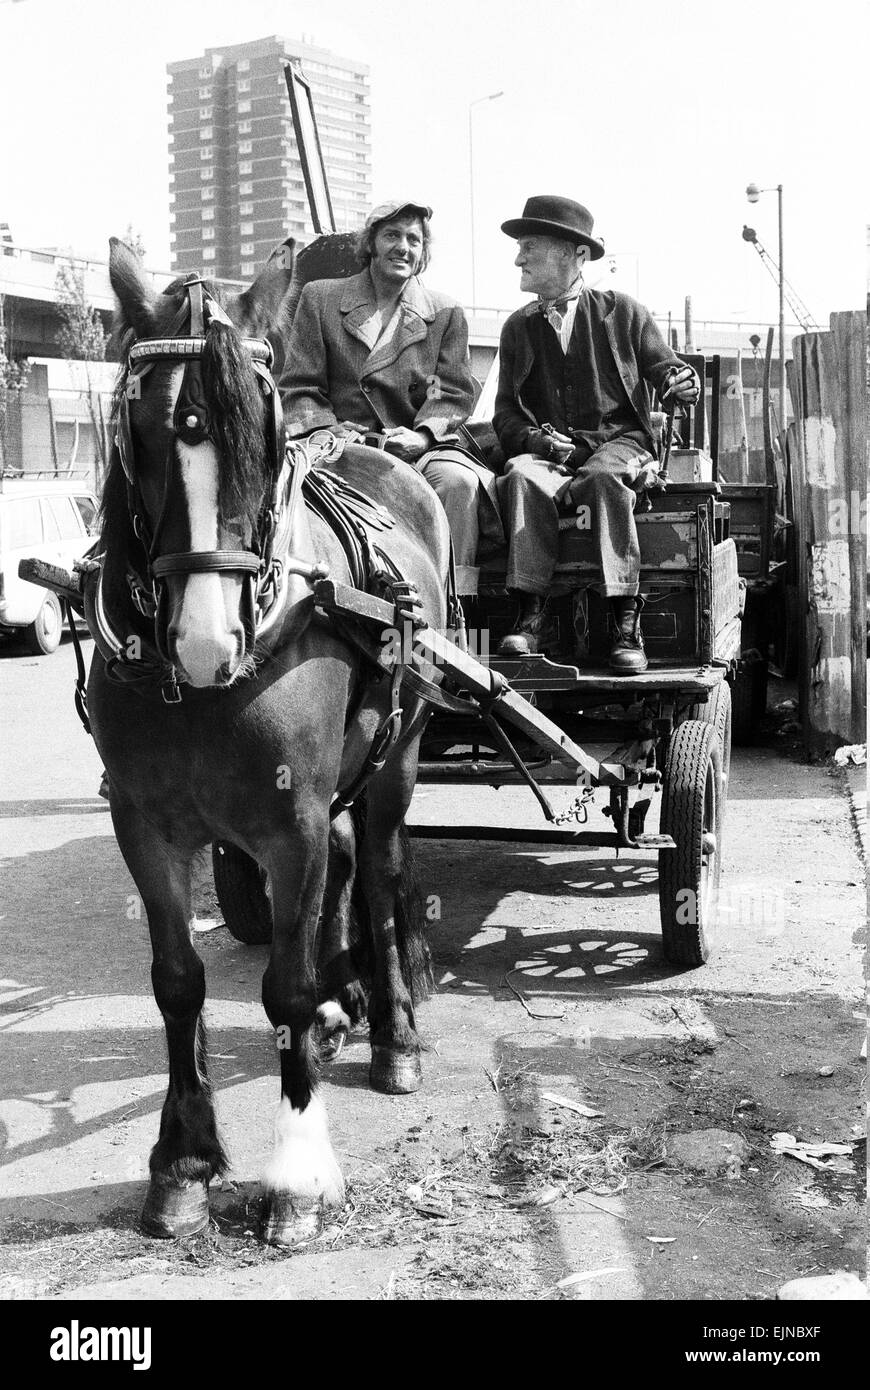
[288, 1221]
[395, 1073]
[174, 1209]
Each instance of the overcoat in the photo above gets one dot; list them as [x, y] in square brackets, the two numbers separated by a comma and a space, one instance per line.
[419, 376]
[632, 338]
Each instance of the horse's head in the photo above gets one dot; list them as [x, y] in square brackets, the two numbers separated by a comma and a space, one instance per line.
[200, 445]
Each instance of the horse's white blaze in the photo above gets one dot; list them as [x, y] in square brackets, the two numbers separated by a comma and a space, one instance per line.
[303, 1162]
[206, 640]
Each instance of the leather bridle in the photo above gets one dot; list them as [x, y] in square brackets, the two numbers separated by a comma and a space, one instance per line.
[260, 566]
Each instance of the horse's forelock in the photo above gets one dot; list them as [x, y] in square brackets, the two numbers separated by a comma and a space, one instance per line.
[236, 411]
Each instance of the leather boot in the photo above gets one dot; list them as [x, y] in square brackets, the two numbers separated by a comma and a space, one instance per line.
[532, 630]
[627, 655]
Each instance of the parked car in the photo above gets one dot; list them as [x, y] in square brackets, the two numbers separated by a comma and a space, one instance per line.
[51, 520]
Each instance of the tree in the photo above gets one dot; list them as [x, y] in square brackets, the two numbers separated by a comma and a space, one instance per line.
[13, 379]
[83, 338]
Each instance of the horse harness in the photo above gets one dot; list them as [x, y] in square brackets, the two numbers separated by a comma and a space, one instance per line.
[296, 477]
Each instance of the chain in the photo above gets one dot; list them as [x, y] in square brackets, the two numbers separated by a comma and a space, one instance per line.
[577, 810]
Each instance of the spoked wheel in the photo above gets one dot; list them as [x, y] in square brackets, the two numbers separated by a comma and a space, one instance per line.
[692, 801]
[242, 888]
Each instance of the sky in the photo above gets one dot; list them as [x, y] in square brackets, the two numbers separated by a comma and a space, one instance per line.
[654, 116]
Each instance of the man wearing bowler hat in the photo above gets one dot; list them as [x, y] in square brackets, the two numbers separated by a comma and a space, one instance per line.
[573, 417]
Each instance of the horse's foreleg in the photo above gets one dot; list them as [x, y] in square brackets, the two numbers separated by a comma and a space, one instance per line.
[342, 996]
[188, 1152]
[396, 929]
[302, 1179]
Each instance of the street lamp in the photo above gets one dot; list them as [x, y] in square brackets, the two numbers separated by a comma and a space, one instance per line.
[753, 193]
[477, 102]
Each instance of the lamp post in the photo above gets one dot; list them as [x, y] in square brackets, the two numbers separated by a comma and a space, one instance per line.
[753, 193]
[477, 102]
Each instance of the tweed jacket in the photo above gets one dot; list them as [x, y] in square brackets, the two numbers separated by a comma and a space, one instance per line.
[419, 378]
[638, 349]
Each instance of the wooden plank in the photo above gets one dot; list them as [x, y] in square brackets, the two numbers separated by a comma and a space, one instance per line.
[733, 435]
[829, 455]
[470, 675]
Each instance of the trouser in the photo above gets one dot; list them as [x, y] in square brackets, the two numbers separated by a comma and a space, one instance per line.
[529, 495]
[466, 492]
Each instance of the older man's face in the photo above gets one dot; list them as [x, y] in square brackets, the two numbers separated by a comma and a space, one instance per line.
[398, 249]
[547, 266]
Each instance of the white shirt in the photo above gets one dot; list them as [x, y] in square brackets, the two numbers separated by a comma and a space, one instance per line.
[564, 323]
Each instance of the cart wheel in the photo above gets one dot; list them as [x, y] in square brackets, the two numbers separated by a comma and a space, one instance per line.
[691, 813]
[749, 696]
[242, 888]
[717, 711]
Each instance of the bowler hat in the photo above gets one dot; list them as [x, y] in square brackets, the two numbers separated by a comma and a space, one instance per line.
[548, 215]
[384, 211]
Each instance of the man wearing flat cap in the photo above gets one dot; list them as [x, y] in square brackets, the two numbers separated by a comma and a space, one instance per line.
[573, 418]
[380, 358]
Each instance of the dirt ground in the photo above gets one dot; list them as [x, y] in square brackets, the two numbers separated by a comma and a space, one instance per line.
[550, 987]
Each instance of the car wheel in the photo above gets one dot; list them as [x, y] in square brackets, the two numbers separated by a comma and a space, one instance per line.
[43, 635]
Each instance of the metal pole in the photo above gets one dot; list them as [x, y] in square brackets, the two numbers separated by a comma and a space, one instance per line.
[782, 377]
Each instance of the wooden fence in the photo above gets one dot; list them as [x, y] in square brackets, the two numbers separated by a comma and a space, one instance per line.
[828, 449]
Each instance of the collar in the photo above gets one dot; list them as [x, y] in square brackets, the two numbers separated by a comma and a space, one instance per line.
[359, 292]
[573, 292]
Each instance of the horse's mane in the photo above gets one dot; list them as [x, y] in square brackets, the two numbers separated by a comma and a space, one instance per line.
[235, 409]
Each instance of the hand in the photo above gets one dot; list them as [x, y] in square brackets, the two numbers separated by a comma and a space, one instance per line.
[683, 385]
[555, 448]
[408, 445]
[348, 430]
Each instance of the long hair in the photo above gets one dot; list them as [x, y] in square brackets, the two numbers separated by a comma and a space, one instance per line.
[365, 241]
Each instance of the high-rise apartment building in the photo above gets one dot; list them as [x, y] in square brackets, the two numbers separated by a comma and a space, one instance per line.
[236, 184]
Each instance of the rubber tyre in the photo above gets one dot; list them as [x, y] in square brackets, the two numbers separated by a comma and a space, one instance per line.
[43, 635]
[689, 877]
[717, 711]
[243, 894]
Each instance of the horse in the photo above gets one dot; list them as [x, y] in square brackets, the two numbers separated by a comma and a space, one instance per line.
[227, 708]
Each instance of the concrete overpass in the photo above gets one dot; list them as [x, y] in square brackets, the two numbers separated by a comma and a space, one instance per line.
[28, 284]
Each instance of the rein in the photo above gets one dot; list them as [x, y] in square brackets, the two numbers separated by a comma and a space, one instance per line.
[264, 565]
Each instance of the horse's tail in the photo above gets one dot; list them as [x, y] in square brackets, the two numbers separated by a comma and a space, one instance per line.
[410, 917]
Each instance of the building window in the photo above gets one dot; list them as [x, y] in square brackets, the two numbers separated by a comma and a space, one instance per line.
[208, 214]
[246, 188]
[247, 249]
[205, 113]
[244, 127]
[204, 93]
[205, 71]
[207, 194]
[208, 253]
[246, 146]
[244, 106]
[246, 167]
[206, 152]
[246, 229]
[248, 268]
[208, 233]
[206, 174]
[244, 64]
[206, 133]
[246, 209]
[244, 84]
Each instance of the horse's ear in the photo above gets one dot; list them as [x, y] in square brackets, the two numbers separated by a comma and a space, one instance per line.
[136, 296]
[258, 309]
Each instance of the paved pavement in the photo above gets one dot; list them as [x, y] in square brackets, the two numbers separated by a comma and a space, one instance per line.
[773, 1018]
